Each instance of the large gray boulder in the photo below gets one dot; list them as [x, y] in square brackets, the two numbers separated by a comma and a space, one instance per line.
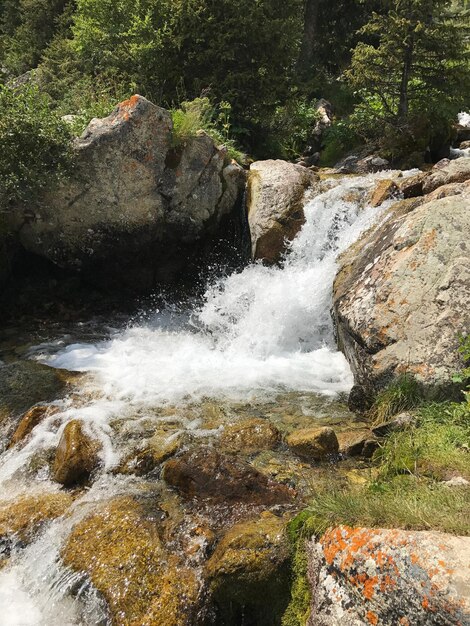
[402, 294]
[136, 207]
[277, 192]
[364, 576]
[457, 171]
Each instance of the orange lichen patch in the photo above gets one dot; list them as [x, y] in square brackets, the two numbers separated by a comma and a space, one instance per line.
[372, 618]
[404, 621]
[429, 239]
[126, 107]
[369, 587]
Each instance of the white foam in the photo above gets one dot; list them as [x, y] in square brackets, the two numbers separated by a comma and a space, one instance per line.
[260, 330]
[464, 118]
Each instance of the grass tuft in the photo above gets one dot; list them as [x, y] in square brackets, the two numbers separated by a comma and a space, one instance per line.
[402, 394]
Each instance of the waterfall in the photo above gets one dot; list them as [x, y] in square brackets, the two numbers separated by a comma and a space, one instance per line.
[256, 333]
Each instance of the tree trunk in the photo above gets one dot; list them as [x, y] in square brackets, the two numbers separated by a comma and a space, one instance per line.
[309, 36]
[403, 105]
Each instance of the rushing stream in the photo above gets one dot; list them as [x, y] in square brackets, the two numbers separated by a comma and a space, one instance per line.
[261, 333]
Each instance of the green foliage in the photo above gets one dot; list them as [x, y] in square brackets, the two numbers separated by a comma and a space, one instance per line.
[36, 145]
[199, 114]
[410, 72]
[402, 394]
[464, 375]
[292, 126]
[26, 30]
[339, 139]
[404, 502]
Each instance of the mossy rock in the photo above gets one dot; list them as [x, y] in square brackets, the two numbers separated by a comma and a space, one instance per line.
[250, 436]
[24, 384]
[21, 520]
[160, 448]
[119, 550]
[313, 443]
[248, 574]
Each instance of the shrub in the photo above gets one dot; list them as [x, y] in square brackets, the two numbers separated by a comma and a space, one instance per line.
[36, 144]
[291, 127]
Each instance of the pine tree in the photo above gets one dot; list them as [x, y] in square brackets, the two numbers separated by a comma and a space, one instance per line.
[411, 65]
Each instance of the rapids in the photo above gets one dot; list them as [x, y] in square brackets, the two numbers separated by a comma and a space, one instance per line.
[257, 333]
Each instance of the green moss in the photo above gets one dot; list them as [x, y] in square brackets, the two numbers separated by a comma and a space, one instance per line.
[299, 530]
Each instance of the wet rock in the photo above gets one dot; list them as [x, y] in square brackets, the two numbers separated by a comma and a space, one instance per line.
[134, 196]
[401, 296]
[313, 443]
[464, 145]
[248, 574]
[30, 420]
[160, 447]
[117, 548]
[207, 474]
[352, 442]
[457, 171]
[22, 519]
[363, 576]
[276, 197]
[76, 455]
[250, 436]
[23, 384]
[412, 186]
[384, 190]
[398, 422]
[354, 164]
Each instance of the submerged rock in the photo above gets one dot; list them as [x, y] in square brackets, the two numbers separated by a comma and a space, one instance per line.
[402, 295]
[135, 196]
[118, 549]
[276, 198]
[248, 573]
[363, 576]
[76, 455]
[250, 436]
[313, 443]
[160, 447]
[207, 474]
[22, 519]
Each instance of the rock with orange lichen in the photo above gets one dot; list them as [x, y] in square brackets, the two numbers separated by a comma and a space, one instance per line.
[402, 295]
[76, 456]
[118, 550]
[364, 576]
[133, 195]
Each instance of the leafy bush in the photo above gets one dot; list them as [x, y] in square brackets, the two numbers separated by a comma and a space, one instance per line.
[36, 144]
[339, 139]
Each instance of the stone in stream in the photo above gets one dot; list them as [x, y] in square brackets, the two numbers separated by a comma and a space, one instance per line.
[22, 519]
[118, 550]
[276, 197]
[159, 448]
[29, 421]
[314, 444]
[384, 189]
[370, 576]
[76, 456]
[357, 442]
[248, 573]
[412, 186]
[250, 436]
[206, 474]
[401, 297]
[22, 385]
